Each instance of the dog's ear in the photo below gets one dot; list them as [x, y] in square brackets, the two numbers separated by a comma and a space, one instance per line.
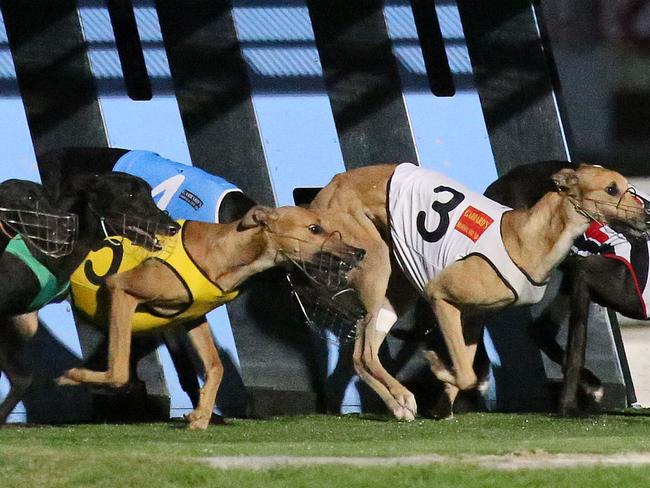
[258, 216]
[566, 181]
[73, 196]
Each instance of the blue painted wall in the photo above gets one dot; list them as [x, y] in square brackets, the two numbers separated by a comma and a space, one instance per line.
[293, 116]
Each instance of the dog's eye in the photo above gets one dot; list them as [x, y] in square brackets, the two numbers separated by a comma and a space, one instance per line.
[131, 195]
[315, 229]
[612, 190]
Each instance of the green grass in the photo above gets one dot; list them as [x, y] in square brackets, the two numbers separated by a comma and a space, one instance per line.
[164, 455]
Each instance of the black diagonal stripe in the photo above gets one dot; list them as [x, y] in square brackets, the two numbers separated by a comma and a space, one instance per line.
[214, 93]
[214, 97]
[362, 81]
[514, 81]
[129, 49]
[433, 48]
[54, 76]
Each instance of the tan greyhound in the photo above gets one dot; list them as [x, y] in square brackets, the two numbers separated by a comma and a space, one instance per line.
[204, 270]
[488, 256]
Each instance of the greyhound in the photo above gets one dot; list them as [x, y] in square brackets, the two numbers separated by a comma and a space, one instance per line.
[119, 202]
[229, 206]
[55, 165]
[207, 266]
[622, 258]
[379, 204]
[25, 209]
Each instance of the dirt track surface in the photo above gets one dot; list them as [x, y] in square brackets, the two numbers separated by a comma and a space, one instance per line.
[514, 461]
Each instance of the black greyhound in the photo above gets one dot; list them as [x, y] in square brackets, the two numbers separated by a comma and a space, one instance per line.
[584, 280]
[116, 201]
[25, 209]
[55, 165]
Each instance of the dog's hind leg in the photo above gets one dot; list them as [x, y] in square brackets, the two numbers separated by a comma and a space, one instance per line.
[14, 331]
[175, 341]
[204, 345]
[450, 295]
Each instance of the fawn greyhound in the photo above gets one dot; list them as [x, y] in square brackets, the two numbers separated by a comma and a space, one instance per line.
[204, 270]
[601, 252]
[465, 254]
[117, 201]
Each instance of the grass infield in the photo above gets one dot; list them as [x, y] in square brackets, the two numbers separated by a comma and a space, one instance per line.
[163, 455]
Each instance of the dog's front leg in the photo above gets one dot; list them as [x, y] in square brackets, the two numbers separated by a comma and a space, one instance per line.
[203, 342]
[375, 333]
[576, 346]
[378, 383]
[467, 285]
[14, 331]
[371, 282]
[122, 308]
[588, 284]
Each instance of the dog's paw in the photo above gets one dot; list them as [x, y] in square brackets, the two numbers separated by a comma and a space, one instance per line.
[408, 415]
[197, 421]
[483, 386]
[199, 424]
[442, 413]
[400, 413]
[408, 407]
[67, 379]
[594, 393]
[569, 409]
[443, 409]
[438, 367]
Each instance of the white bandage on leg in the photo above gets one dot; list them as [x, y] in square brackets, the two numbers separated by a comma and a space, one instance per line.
[386, 317]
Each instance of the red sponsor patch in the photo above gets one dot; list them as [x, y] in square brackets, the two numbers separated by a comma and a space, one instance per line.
[473, 223]
[595, 232]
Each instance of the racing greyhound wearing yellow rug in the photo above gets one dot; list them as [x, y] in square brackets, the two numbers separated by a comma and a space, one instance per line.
[464, 253]
[132, 293]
